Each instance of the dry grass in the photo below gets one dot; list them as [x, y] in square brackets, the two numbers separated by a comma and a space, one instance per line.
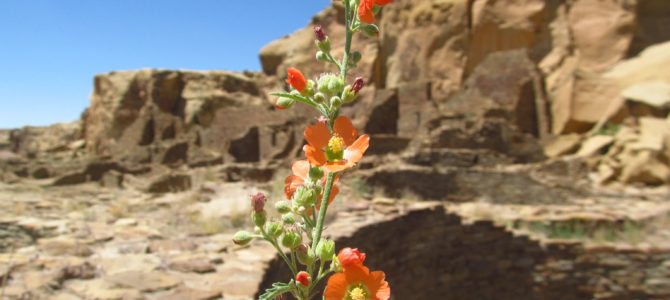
[626, 231]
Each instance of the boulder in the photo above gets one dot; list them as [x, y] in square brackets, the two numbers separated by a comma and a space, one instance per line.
[562, 145]
[652, 93]
[646, 168]
[595, 145]
[169, 183]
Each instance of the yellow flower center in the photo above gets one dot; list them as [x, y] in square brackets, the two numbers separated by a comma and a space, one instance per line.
[358, 294]
[336, 144]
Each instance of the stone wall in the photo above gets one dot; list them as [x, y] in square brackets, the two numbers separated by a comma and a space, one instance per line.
[429, 254]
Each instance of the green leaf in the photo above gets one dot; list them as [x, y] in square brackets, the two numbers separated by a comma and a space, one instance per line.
[277, 289]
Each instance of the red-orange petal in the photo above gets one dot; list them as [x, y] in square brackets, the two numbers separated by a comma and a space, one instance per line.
[296, 79]
[354, 153]
[345, 129]
[365, 12]
[315, 156]
[383, 2]
[333, 193]
[378, 286]
[349, 257]
[336, 289]
[317, 135]
[291, 184]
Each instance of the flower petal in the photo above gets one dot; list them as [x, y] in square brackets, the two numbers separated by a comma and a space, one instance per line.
[336, 289]
[301, 169]
[378, 286]
[383, 2]
[291, 184]
[365, 12]
[315, 156]
[357, 274]
[296, 79]
[355, 151]
[338, 166]
[317, 135]
[333, 193]
[344, 129]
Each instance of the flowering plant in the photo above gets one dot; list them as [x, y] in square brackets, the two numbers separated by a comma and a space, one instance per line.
[333, 146]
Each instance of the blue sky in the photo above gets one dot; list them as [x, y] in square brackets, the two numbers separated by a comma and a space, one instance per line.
[51, 49]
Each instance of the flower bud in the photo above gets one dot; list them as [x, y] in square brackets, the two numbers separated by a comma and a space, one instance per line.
[258, 202]
[303, 278]
[335, 265]
[370, 30]
[291, 240]
[309, 89]
[284, 103]
[242, 238]
[296, 93]
[304, 196]
[304, 254]
[283, 206]
[319, 33]
[315, 173]
[325, 249]
[324, 45]
[336, 85]
[356, 57]
[359, 82]
[320, 56]
[324, 83]
[296, 79]
[259, 218]
[288, 218]
[319, 97]
[348, 95]
[336, 101]
[274, 229]
[350, 258]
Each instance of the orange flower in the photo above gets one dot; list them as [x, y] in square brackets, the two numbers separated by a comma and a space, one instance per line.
[350, 258]
[300, 174]
[357, 283]
[296, 79]
[366, 12]
[337, 151]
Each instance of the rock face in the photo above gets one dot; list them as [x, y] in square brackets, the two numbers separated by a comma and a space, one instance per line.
[442, 42]
[133, 109]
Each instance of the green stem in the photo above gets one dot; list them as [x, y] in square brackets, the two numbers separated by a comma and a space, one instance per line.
[347, 45]
[324, 207]
[281, 253]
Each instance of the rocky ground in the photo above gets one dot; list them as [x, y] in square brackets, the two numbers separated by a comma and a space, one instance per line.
[519, 151]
